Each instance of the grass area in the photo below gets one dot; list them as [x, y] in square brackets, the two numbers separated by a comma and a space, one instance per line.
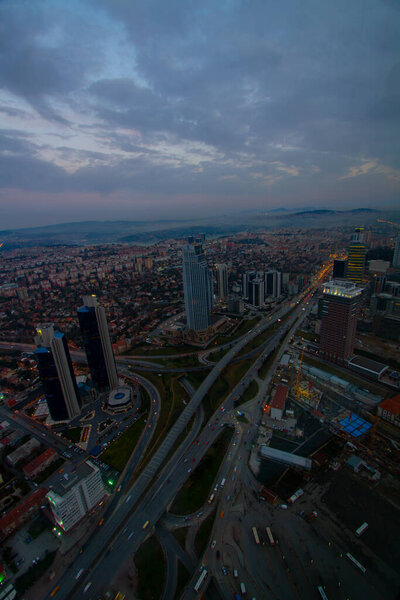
[227, 380]
[241, 330]
[182, 579]
[73, 434]
[203, 534]
[307, 335]
[151, 569]
[216, 356]
[144, 399]
[104, 424]
[173, 399]
[196, 378]
[180, 362]
[27, 579]
[119, 452]
[180, 535]
[249, 393]
[164, 351]
[196, 490]
[242, 418]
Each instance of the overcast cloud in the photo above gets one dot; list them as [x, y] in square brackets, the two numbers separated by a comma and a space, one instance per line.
[128, 109]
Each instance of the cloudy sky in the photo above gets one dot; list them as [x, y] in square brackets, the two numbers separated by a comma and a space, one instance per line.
[148, 109]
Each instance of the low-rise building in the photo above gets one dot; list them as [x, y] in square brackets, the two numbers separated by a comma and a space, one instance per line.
[22, 452]
[22, 512]
[40, 463]
[73, 495]
[279, 401]
[389, 410]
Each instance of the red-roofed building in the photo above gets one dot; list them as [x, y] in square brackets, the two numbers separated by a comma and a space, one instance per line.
[22, 512]
[279, 401]
[389, 410]
[40, 463]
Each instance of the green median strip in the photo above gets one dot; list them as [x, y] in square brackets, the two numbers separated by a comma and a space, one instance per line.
[151, 570]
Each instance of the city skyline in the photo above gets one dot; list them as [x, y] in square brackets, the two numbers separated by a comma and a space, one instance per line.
[128, 112]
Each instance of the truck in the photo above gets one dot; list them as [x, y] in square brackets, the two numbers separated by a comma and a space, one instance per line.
[296, 496]
[242, 588]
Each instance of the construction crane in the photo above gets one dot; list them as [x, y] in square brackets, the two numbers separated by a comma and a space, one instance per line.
[389, 222]
[299, 374]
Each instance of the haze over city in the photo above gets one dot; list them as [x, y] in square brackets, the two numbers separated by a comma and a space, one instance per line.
[112, 109]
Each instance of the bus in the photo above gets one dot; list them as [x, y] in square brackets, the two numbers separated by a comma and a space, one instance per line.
[322, 593]
[256, 538]
[145, 524]
[55, 590]
[361, 529]
[201, 580]
[211, 498]
[243, 588]
[356, 563]
[270, 536]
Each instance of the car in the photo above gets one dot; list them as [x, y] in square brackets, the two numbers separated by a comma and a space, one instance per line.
[189, 470]
[218, 554]
[194, 459]
[213, 429]
[213, 544]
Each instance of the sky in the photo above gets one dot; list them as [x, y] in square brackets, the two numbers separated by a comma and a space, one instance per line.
[120, 109]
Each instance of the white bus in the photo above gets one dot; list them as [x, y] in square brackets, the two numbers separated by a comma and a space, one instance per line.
[201, 580]
[361, 529]
[256, 538]
[322, 593]
[356, 563]
[270, 536]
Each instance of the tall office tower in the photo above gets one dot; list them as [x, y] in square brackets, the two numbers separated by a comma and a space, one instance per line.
[56, 373]
[359, 235]
[356, 262]
[273, 283]
[256, 292]
[396, 255]
[197, 287]
[75, 493]
[247, 278]
[340, 306]
[97, 344]
[339, 269]
[222, 281]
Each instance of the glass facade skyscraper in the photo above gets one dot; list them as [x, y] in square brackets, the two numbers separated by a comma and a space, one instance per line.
[56, 373]
[197, 286]
[97, 344]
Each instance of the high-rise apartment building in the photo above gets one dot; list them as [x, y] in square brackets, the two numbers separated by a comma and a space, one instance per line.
[197, 286]
[356, 262]
[273, 284]
[339, 311]
[56, 373]
[97, 344]
[222, 281]
[396, 255]
[75, 493]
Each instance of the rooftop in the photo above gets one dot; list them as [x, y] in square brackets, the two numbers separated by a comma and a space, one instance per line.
[369, 365]
[279, 399]
[342, 288]
[392, 405]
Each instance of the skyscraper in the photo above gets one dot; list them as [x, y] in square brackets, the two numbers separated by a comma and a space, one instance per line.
[56, 373]
[339, 269]
[97, 344]
[222, 281]
[396, 255]
[197, 286]
[356, 262]
[256, 292]
[273, 283]
[339, 311]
